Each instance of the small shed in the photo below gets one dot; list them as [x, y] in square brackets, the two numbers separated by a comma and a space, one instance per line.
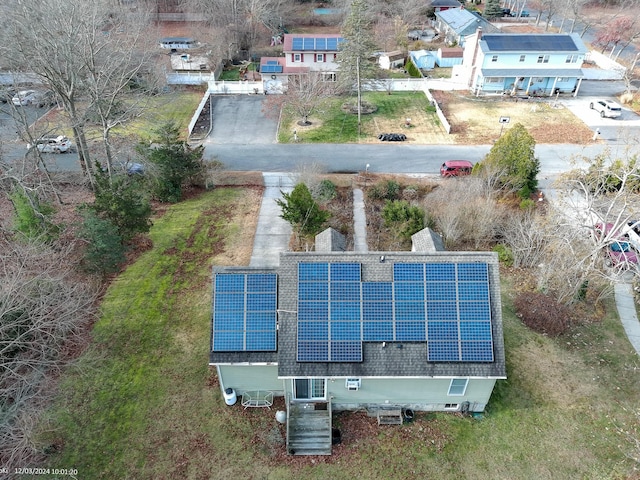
[448, 57]
[388, 60]
[423, 59]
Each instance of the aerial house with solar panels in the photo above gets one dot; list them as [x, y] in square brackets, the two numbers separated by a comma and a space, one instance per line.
[522, 64]
[302, 53]
[386, 332]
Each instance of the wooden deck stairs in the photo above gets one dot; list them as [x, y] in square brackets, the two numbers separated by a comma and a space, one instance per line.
[309, 428]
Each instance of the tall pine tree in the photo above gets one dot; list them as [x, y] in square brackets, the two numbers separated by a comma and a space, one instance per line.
[492, 9]
[357, 49]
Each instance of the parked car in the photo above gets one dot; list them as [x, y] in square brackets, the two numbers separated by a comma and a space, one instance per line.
[525, 13]
[52, 144]
[621, 254]
[619, 250]
[23, 97]
[607, 108]
[45, 98]
[455, 168]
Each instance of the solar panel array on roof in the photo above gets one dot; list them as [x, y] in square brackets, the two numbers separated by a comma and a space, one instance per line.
[244, 312]
[530, 43]
[446, 305]
[267, 68]
[315, 43]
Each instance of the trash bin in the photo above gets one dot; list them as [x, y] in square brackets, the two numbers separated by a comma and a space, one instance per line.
[230, 397]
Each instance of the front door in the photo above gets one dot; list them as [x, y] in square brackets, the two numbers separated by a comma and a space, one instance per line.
[309, 389]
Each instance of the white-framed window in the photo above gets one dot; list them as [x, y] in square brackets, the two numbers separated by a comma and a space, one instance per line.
[537, 80]
[458, 386]
[329, 77]
[451, 406]
[571, 59]
[297, 57]
[319, 57]
[543, 59]
[563, 79]
[522, 58]
[494, 80]
[494, 58]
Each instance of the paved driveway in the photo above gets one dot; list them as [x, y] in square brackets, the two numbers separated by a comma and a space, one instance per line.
[238, 119]
[612, 130]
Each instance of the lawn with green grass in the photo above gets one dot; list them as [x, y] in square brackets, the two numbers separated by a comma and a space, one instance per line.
[339, 126]
[178, 107]
[142, 402]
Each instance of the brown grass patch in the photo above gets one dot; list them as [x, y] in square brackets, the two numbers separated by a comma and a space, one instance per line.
[475, 120]
[423, 128]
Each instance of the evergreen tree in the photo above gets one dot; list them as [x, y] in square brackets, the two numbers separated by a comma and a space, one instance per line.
[403, 218]
[492, 9]
[122, 200]
[104, 252]
[512, 157]
[357, 49]
[175, 161]
[301, 211]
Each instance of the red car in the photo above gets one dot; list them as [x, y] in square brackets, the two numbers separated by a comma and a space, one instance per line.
[455, 168]
[619, 251]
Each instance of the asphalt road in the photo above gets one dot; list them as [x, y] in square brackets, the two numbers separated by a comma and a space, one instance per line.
[244, 138]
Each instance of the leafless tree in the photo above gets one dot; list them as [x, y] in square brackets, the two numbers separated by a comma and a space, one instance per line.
[305, 94]
[243, 20]
[76, 49]
[526, 236]
[119, 77]
[42, 309]
[473, 218]
[603, 191]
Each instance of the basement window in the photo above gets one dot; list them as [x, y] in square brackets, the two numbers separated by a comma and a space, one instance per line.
[451, 406]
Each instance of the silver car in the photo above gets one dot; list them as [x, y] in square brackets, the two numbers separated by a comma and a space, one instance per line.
[52, 144]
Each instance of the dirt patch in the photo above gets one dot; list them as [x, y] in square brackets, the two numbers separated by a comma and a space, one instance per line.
[475, 120]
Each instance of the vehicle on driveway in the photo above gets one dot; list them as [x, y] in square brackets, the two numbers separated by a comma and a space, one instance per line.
[619, 250]
[23, 97]
[607, 108]
[456, 168]
[52, 144]
[34, 97]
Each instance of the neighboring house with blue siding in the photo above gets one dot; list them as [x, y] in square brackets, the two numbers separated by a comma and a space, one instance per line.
[388, 332]
[523, 64]
[456, 24]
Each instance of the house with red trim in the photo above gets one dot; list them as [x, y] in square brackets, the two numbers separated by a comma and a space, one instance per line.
[301, 54]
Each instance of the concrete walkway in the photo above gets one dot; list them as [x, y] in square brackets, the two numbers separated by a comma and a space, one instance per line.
[359, 222]
[272, 233]
[627, 313]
